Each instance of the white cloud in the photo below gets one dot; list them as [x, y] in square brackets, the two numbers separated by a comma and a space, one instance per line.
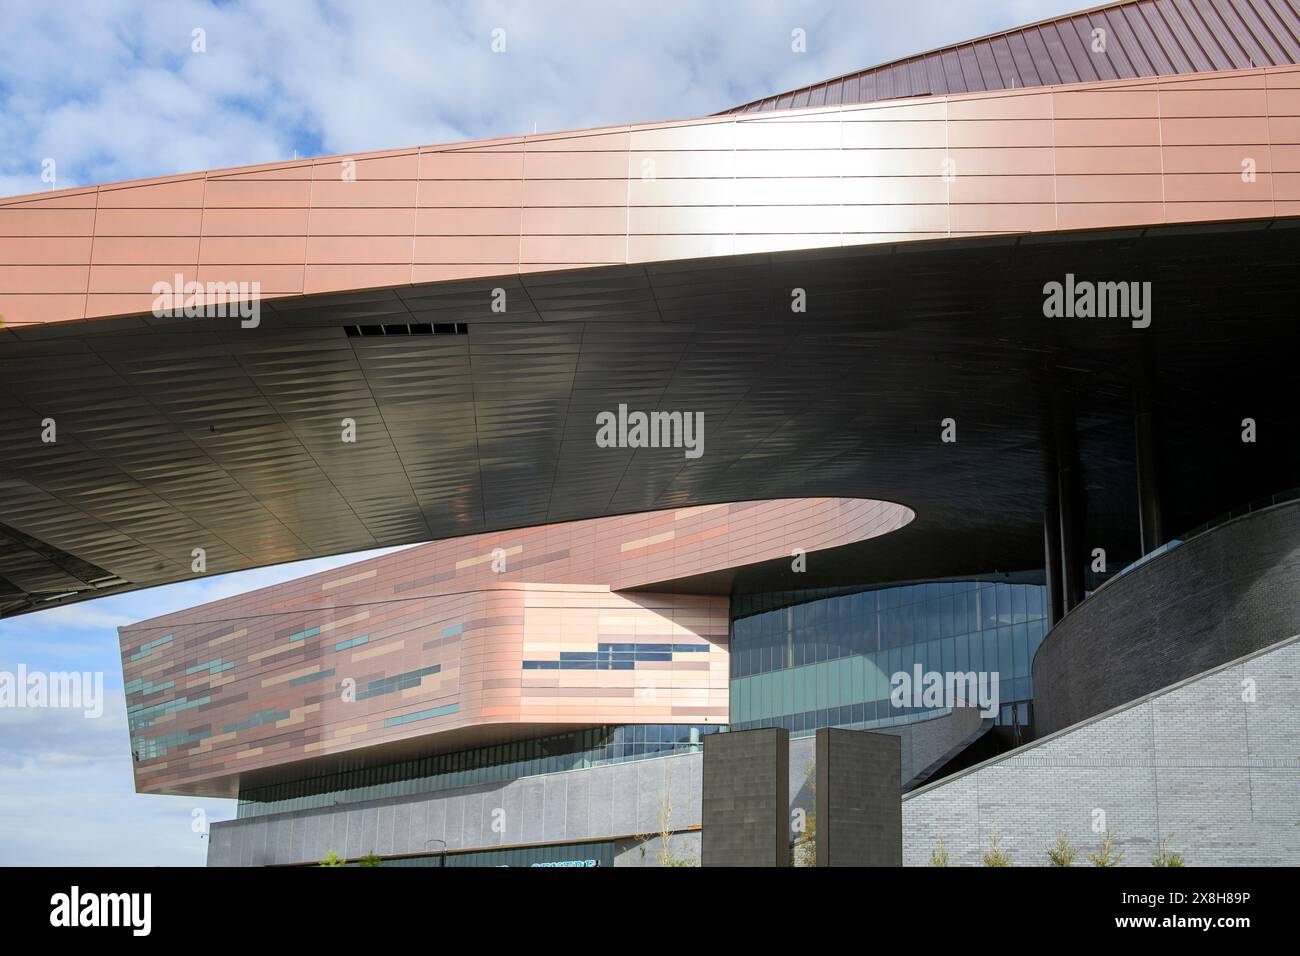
[111, 89]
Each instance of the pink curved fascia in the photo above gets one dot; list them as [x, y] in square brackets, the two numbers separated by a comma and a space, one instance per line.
[263, 673]
[1088, 155]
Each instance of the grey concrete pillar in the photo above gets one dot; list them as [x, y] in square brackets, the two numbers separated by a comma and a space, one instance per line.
[859, 798]
[746, 800]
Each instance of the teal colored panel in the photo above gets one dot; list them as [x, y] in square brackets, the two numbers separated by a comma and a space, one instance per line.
[308, 678]
[422, 715]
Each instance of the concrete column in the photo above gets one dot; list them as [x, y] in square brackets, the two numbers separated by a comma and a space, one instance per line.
[859, 798]
[746, 799]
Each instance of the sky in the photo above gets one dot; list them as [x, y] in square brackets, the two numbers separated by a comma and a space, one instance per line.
[112, 90]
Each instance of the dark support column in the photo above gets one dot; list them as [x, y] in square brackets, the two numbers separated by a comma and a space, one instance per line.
[1063, 523]
[859, 798]
[1052, 556]
[1069, 507]
[1149, 521]
[746, 800]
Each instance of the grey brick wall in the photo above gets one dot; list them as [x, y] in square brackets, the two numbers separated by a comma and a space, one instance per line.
[1218, 597]
[618, 800]
[1199, 761]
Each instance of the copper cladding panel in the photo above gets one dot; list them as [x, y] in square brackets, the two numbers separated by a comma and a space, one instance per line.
[255, 681]
[1132, 152]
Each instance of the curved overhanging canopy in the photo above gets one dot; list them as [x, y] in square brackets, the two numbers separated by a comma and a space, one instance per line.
[820, 286]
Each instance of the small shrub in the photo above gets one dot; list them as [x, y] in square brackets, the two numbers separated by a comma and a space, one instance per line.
[1061, 853]
[996, 856]
[939, 855]
[332, 859]
[371, 859]
[1166, 858]
[1107, 854]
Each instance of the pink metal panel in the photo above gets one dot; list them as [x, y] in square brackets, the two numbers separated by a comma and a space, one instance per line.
[1150, 151]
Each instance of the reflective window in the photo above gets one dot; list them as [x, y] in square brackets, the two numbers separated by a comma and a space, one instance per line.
[569, 751]
[804, 660]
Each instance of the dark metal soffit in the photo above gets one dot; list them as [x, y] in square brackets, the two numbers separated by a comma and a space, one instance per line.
[177, 434]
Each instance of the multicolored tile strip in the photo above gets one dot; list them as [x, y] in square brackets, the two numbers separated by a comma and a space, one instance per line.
[516, 633]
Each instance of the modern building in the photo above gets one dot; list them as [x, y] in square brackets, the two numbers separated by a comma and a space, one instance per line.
[980, 362]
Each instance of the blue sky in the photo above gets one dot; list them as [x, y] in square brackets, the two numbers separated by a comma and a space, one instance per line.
[113, 90]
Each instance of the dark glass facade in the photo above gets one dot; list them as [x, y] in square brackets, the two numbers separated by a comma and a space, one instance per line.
[825, 659]
[575, 855]
[575, 750]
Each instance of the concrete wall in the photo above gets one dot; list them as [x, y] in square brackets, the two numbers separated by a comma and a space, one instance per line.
[1219, 596]
[1201, 760]
[615, 801]
[621, 799]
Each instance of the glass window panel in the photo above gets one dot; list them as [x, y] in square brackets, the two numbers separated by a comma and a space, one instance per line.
[988, 607]
[1020, 637]
[1006, 653]
[1004, 604]
[1034, 601]
[962, 663]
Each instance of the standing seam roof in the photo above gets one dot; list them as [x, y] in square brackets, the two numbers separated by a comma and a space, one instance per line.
[1141, 38]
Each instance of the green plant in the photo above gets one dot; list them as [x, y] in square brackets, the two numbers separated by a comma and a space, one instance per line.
[804, 849]
[939, 855]
[1107, 854]
[665, 834]
[1061, 853]
[332, 859]
[996, 856]
[1164, 857]
[371, 859]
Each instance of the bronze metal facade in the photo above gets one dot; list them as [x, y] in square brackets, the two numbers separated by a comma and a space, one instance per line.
[1084, 155]
[456, 643]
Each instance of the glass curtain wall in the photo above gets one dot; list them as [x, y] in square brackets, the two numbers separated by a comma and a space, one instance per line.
[828, 661]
